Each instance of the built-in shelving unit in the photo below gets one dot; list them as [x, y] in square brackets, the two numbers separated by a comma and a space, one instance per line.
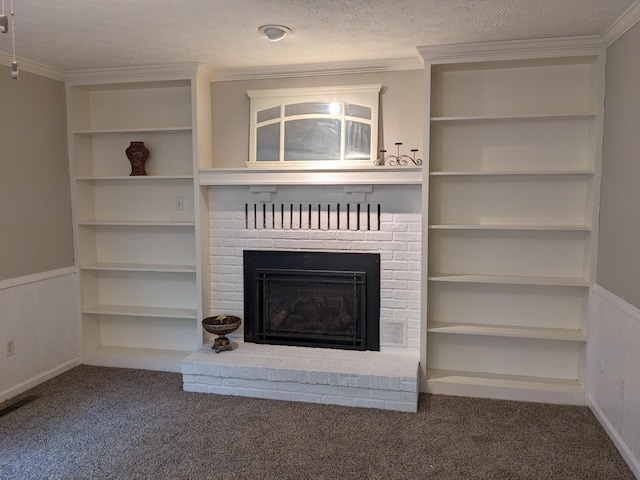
[512, 213]
[138, 238]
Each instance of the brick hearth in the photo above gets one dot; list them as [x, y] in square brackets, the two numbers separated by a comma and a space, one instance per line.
[381, 380]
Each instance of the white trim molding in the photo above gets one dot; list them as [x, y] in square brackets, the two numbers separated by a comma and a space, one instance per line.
[33, 67]
[36, 277]
[618, 28]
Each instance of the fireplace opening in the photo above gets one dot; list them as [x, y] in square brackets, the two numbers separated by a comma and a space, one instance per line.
[317, 299]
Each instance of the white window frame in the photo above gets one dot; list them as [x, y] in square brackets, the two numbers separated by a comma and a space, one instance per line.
[362, 95]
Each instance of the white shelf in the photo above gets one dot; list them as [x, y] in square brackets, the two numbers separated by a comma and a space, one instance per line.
[140, 311]
[509, 280]
[140, 267]
[507, 331]
[141, 358]
[129, 223]
[135, 178]
[488, 173]
[128, 131]
[585, 228]
[512, 118]
[513, 387]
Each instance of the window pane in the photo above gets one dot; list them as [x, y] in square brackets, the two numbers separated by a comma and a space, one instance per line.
[312, 139]
[268, 143]
[313, 108]
[358, 111]
[357, 141]
[268, 114]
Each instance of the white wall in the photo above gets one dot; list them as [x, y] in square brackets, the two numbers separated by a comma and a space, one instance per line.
[613, 346]
[401, 110]
[40, 314]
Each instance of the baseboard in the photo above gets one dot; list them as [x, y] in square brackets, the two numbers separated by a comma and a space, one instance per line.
[38, 379]
[623, 448]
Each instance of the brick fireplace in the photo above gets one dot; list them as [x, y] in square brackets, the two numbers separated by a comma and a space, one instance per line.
[380, 219]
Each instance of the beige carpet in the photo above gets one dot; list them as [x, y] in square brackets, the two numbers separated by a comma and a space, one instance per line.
[94, 422]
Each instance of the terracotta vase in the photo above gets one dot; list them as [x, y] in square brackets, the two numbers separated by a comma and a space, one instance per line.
[137, 154]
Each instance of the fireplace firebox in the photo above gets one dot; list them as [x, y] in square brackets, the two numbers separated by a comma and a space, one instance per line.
[315, 299]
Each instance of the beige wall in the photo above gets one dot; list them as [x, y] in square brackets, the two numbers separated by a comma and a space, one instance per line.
[401, 110]
[619, 239]
[35, 205]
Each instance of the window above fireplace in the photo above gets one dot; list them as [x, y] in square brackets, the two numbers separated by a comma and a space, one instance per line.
[316, 127]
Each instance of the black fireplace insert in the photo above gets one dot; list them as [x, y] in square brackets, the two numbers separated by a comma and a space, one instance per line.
[316, 299]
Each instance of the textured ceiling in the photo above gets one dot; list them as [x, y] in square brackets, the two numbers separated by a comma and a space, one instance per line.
[79, 34]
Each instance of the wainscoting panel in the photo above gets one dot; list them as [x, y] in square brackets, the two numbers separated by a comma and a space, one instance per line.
[40, 314]
[613, 381]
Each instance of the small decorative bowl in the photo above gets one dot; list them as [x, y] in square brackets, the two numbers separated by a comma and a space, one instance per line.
[221, 325]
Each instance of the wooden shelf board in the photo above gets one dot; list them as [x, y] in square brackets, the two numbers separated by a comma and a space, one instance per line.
[489, 173]
[136, 178]
[509, 387]
[140, 267]
[125, 131]
[498, 118]
[443, 226]
[508, 280]
[142, 311]
[507, 331]
[137, 223]
[141, 358]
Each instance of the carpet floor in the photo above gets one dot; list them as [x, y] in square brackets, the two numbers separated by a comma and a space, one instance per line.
[108, 423]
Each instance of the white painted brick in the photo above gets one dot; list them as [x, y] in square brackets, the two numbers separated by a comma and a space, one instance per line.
[410, 397]
[336, 400]
[210, 380]
[306, 397]
[406, 295]
[292, 387]
[193, 387]
[276, 395]
[312, 377]
[221, 390]
[386, 395]
[401, 407]
[283, 375]
[363, 381]
[323, 378]
[264, 385]
[354, 381]
[394, 383]
[236, 382]
[393, 247]
[369, 403]
[323, 389]
[353, 392]
[408, 386]
[383, 383]
[414, 276]
[334, 378]
[249, 392]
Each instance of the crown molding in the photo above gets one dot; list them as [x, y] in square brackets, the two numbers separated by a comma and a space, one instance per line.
[25, 65]
[318, 69]
[618, 28]
[179, 71]
[513, 49]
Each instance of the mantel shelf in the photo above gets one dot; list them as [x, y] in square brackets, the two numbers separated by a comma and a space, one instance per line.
[312, 176]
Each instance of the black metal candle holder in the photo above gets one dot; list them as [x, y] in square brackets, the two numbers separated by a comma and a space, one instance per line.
[398, 160]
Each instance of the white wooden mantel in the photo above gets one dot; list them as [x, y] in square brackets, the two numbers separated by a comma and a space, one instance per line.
[312, 176]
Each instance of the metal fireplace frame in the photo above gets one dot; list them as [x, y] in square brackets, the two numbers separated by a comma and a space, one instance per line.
[361, 270]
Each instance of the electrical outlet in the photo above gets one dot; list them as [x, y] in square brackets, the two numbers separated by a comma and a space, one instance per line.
[179, 204]
[11, 348]
[623, 384]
